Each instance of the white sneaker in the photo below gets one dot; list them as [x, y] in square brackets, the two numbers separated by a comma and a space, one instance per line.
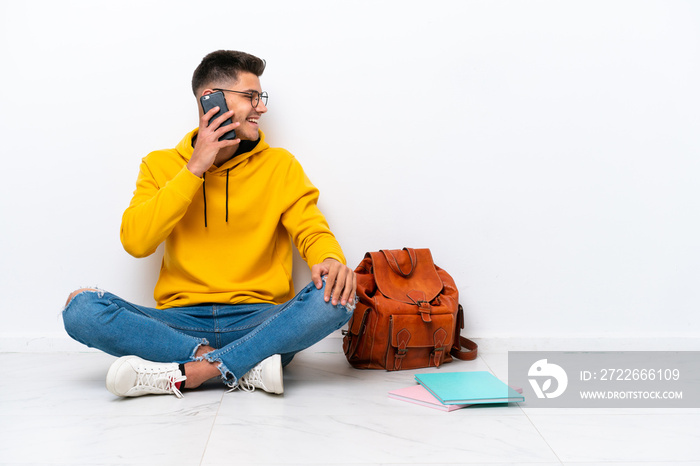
[133, 376]
[266, 376]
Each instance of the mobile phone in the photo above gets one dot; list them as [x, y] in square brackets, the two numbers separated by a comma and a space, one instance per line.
[216, 99]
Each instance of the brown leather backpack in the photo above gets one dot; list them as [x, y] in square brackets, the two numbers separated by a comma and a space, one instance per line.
[408, 314]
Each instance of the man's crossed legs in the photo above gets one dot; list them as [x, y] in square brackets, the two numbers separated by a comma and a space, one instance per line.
[159, 349]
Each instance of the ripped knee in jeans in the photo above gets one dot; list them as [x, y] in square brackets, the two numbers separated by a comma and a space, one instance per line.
[78, 291]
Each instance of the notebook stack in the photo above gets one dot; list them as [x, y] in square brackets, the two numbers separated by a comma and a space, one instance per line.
[449, 391]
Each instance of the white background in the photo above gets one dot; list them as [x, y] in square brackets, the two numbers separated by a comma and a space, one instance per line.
[547, 152]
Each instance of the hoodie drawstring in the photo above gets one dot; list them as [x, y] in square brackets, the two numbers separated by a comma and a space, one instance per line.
[204, 194]
[227, 194]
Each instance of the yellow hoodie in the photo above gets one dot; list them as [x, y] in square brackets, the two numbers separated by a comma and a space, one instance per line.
[227, 236]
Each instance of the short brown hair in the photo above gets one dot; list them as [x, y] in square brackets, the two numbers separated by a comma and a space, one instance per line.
[224, 65]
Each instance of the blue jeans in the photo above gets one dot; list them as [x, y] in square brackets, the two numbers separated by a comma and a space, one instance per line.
[243, 334]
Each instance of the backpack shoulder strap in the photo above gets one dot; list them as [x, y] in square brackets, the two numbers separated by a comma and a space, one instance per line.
[471, 350]
[462, 342]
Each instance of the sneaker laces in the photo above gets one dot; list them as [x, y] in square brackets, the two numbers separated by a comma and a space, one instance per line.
[252, 379]
[160, 380]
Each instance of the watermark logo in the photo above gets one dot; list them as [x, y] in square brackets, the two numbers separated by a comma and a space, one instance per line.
[606, 379]
[546, 372]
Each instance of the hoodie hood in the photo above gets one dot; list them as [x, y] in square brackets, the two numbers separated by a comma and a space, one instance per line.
[246, 149]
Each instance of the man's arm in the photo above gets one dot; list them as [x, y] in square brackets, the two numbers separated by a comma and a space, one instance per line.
[154, 210]
[314, 239]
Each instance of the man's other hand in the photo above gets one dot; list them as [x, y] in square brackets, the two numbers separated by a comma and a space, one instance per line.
[341, 283]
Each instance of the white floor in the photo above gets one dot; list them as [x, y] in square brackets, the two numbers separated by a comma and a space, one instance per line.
[54, 409]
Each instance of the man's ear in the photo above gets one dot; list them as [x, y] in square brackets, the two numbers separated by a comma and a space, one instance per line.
[199, 103]
[206, 91]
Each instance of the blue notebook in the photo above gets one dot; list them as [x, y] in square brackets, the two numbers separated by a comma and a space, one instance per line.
[475, 387]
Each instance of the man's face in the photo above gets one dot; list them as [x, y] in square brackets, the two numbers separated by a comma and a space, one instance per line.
[244, 113]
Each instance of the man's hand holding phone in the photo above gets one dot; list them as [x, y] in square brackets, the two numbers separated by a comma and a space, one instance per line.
[214, 127]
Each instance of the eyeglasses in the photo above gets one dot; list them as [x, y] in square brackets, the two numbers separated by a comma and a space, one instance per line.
[255, 96]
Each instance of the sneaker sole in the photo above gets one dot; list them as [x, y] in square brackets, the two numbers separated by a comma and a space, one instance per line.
[278, 389]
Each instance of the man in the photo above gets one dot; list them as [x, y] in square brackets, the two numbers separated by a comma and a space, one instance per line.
[228, 211]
